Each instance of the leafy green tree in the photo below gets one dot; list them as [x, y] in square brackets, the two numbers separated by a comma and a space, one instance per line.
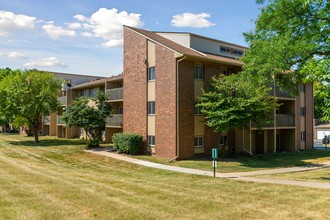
[4, 72]
[321, 101]
[89, 114]
[291, 37]
[234, 101]
[29, 95]
[291, 43]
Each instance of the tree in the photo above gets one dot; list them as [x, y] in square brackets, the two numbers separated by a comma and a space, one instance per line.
[234, 101]
[321, 101]
[90, 115]
[4, 72]
[29, 95]
[291, 37]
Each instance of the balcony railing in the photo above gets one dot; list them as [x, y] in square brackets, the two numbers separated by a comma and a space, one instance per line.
[60, 120]
[285, 120]
[46, 120]
[283, 94]
[62, 100]
[115, 120]
[115, 94]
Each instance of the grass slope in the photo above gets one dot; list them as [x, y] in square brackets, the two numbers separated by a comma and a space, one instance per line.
[58, 180]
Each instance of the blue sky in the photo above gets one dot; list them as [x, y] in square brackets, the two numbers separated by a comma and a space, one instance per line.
[85, 37]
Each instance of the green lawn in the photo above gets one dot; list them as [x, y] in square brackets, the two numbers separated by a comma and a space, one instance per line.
[321, 175]
[58, 180]
[243, 163]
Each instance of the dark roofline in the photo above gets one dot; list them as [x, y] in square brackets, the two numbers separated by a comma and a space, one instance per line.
[190, 52]
[73, 74]
[98, 81]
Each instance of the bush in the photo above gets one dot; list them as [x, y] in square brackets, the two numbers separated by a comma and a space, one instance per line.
[127, 142]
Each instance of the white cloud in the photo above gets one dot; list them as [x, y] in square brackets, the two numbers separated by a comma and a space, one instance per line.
[13, 54]
[108, 24]
[46, 62]
[74, 25]
[56, 32]
[10, 22]
[16, 55]
[191, 20]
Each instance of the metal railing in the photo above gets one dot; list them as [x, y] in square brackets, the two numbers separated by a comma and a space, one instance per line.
[285, 120]
[46, 120]
[115, 120]
[62, 100]
[279, 93]
[60, 120]
[115, 94]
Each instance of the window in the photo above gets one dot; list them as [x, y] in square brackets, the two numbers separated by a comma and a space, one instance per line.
[236, 52]
[151, 140]
[199, 72]
[120, 85]
[303, 135]
[151, 108]
[81, 93]
[151, 73]
[120, 110]
[198, 110]
[223, 140]
[199, 141]
[90, 92]
[302, 111]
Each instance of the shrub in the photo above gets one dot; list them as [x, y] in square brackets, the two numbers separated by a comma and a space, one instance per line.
[127, 142]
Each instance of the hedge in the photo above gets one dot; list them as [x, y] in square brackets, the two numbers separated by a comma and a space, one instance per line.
[128, 143]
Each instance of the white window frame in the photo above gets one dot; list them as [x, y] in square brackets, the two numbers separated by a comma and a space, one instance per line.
[198, 72]
[151, 73]
[151, 140]
[200, 141]
[151, 108]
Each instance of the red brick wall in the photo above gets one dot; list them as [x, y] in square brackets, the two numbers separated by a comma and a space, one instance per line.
[309, 103]
[165, 103]
[135, 84]
[186, 108]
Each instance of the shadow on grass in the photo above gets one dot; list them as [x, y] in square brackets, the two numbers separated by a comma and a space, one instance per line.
[273, 160]
[282, 159]
[49, 142]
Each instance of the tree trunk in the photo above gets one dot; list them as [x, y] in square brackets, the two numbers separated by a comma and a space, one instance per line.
[36, 131]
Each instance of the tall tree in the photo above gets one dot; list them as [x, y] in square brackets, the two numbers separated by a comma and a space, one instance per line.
[29, 95]
[89, 114]
[321, 101]
[234, 101]
[291, 37]
[4, 72]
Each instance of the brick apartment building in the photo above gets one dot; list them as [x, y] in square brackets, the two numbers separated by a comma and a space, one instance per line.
[54, 125]
[163, 77]
[164, 74]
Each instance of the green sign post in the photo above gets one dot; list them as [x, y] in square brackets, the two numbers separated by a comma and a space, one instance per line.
[214, 157]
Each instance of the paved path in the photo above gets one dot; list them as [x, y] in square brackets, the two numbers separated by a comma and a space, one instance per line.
[245, 176]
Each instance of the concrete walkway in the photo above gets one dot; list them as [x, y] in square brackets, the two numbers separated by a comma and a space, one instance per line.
[244, 176]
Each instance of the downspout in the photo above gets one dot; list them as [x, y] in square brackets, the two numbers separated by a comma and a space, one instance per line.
[177, 110]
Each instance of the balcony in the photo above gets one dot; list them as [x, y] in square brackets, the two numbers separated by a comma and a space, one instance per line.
[285, 120]
[60, 120]
[115, 94]
[116, 120]
[46, 120]
[283, 94]
[62, 100]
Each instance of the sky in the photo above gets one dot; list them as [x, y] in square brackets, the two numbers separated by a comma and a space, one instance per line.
[86, 36]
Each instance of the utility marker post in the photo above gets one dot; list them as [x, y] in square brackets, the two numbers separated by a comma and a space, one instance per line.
[214, 159]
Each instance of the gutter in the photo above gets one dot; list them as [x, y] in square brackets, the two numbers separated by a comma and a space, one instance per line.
[177, 109]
